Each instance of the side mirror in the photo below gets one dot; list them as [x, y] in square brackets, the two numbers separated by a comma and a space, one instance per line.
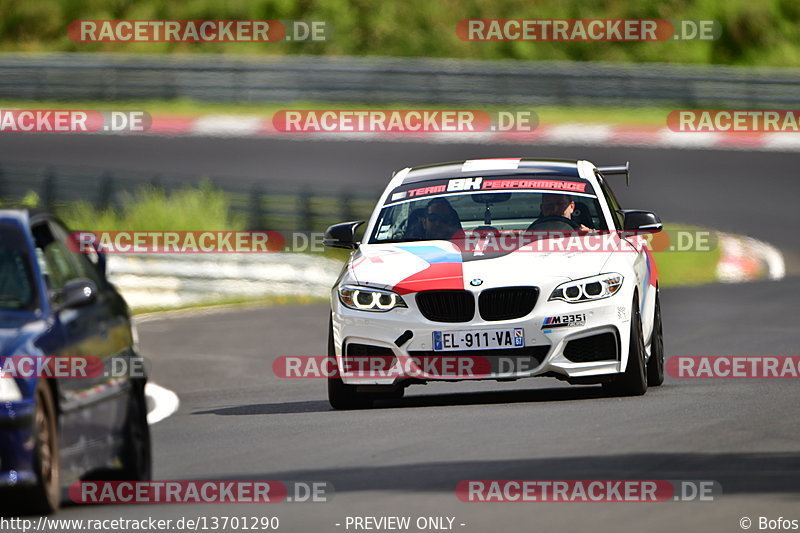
[77, 293]
[635, 220]
[342, 235]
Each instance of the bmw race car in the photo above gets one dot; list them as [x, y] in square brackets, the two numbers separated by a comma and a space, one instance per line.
[519, 267]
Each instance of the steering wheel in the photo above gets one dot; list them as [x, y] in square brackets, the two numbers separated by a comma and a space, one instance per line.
[556, 221]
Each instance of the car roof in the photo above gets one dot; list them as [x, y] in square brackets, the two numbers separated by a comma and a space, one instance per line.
[20, 216]
[494, 167]
[26, 215]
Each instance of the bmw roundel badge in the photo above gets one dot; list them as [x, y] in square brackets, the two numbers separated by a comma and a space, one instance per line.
[475, 282]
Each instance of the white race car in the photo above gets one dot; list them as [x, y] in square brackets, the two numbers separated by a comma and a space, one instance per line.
[496, 269]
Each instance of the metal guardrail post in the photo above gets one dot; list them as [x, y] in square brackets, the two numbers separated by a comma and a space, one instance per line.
[156, 183]
[305, 210]
[49, 189]
[106, 191]
[346, 206]
[255, 215]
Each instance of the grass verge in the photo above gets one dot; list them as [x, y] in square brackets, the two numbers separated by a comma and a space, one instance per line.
[681, 269]
[688, 268]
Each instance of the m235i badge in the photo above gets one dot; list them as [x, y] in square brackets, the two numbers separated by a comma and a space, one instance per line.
[564, 321]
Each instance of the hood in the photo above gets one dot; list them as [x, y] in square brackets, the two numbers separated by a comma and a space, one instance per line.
[19, 333]
[426, 265]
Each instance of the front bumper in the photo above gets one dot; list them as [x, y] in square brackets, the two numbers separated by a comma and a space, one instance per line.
[546, 351]
[16, 444]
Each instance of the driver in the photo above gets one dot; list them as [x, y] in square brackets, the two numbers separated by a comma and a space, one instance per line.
[440, 220]
[559, 205]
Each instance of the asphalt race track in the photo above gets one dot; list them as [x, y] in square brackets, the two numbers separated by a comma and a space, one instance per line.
[239, 422]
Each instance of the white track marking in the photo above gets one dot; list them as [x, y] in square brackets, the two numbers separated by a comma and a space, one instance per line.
[164, 400]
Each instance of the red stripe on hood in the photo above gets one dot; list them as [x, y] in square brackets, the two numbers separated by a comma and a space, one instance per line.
[438, 276]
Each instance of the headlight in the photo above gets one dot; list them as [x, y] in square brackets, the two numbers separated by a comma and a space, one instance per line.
[369, 299]
[587, 289]
[9, 391]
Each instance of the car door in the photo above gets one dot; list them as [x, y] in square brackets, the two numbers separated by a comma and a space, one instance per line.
[93, 408]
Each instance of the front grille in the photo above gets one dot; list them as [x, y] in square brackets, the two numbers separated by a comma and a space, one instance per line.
[446, 306]
[602, 347]
[507, 303]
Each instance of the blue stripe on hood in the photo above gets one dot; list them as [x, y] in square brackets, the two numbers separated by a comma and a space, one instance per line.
[433, 254]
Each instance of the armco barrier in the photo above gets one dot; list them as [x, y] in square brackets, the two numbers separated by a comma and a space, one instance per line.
[172, 280]
[246, 79]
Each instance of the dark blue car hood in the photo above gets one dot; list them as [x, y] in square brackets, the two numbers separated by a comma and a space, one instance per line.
[19, 332]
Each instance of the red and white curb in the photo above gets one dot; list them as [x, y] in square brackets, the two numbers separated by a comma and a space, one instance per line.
[746, 259]
[568, 133]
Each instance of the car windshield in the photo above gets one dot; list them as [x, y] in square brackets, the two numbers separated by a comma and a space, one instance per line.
[434, 213]
[17, 290]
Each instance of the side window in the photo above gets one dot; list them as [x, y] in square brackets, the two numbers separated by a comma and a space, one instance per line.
[84, 267]
[393, 222]
[17, 289]
[613, 205]
[54, 258]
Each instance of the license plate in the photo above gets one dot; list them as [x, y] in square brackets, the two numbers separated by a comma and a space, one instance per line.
[478, 339]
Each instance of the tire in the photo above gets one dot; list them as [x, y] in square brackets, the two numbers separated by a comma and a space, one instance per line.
[632, 382]
[45, 497]
[396, 394]
[137, 463]
[399, 394]
[655, 366]
[341, 395]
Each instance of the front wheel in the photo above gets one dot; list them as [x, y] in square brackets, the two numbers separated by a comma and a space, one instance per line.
[46, 496]
[341, 395]
[136, 454]
[632, 382]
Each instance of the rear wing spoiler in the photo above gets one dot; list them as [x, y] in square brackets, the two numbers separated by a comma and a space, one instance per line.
[621, 169]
